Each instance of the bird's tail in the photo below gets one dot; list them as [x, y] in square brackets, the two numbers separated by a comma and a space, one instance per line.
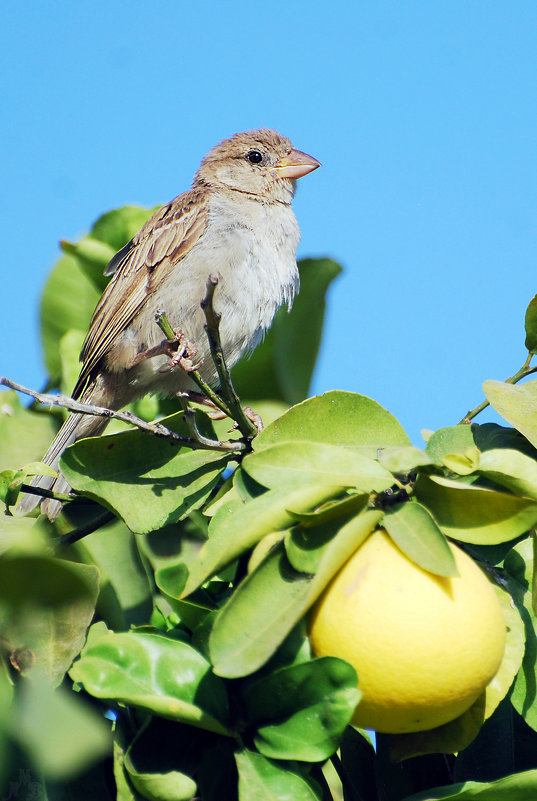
[75, 427]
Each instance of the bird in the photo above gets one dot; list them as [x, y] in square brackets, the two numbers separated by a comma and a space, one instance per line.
[235, 223]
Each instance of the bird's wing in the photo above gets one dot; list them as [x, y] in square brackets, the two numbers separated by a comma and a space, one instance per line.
[165, 239]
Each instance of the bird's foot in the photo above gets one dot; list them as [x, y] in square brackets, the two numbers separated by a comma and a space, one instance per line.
[180, 350]
[217, 414]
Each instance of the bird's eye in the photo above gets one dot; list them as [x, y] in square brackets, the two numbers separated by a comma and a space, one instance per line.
[254, 157]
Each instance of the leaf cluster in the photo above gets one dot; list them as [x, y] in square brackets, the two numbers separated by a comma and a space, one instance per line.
[154, 638]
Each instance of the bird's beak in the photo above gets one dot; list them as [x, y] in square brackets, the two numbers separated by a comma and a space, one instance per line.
[296, 164]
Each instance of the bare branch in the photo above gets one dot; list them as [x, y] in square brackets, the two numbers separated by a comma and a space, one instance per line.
[212, 327]
[157, 429]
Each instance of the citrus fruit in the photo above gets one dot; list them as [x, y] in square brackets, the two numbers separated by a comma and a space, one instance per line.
[424, 647]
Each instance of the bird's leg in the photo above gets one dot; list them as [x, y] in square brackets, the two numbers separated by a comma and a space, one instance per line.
[184, 355]
[218, 414]
[181, 352]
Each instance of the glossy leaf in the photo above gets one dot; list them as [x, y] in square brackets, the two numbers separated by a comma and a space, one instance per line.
[305, 545]
[25, 435]
[69, 348]
[162, 759]
[235, 529]
[148, 481]
[44, 724]
[332, 509]
[125, 594]
[301, 711]
[269, 601]
[92, 256]
[519, 565]
[499, 686]
[68, 301]
[265, 779]
[46, 605]
[530, 324]
[511, 469]
[516, 404]
[475, 514]
[517, 787]
[452, 439]
[163, 675]
[450, 738]
[416, 533]
[402, 461]
[336, 418]
[295, 463]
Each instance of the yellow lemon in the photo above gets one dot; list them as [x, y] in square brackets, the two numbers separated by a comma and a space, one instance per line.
[424, 647]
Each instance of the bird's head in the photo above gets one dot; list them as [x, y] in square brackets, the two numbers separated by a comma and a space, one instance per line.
[262, 163]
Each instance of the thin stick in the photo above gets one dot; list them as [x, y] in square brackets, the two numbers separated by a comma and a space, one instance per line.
[212, 327]
[524, 371]
[156, 429]
[164, 324]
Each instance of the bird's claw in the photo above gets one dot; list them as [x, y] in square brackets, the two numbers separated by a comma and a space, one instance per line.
[182, 353]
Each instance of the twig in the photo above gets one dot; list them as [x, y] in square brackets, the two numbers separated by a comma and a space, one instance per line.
[164, 324]
[156, 429]
[524, 371]
[212, 327]
[64, 540]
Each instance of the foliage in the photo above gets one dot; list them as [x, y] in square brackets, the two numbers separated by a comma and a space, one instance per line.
[159, 649]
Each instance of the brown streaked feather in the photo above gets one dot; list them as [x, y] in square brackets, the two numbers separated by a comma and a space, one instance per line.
[147, 259]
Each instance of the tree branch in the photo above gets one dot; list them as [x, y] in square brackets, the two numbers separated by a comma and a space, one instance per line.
[157, 429]
[524, 371]
[212, 327]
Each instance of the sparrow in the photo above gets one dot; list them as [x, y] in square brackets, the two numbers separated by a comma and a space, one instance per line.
[235, 223]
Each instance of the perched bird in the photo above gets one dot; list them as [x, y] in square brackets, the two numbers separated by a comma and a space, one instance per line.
[236, 222]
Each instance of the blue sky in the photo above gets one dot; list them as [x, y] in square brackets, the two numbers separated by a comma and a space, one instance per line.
[423, 113]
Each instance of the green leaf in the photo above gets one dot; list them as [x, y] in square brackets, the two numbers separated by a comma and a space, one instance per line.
[125, 596]
[516, 787]
[68, 301]
[305, 545]
[462, 463]
[154, 672]
[519, 565]
[511, 469]
[475, 514]
[331, 510]
[234, 529]
[25, 435]
[171, 579]
[516, 404]
[269, 601]
[70, 347]
[531, 325]
[92, 256]
[415, 533]
[148, 481]
[450, 738]
[497, 689]
[46, 606]
[336, 418]
[62, 733]
[118, 226]
[162, 759]
[265, 779]
[301, 711]
[453, 439]
[402, 461]
[282, 365]
[295, 463]
[486, 437]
